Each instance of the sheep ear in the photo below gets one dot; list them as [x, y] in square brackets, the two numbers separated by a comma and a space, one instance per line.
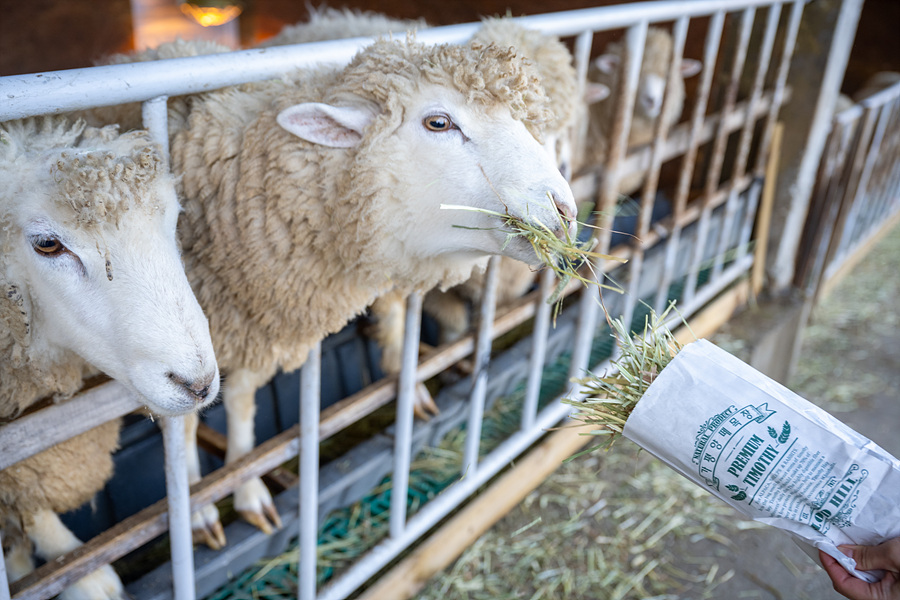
[327, 125]
[607, 63]
[690, 67]
[595, 92]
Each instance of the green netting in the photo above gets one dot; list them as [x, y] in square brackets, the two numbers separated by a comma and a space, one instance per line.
[348, 533]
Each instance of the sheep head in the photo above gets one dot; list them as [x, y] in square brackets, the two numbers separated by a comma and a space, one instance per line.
[654, 72]
[87, 220]
[442, 125]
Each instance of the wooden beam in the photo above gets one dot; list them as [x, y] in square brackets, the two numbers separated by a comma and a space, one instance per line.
[444, 545]
[764, 216]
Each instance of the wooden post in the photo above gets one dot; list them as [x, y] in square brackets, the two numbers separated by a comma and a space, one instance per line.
[764, 216]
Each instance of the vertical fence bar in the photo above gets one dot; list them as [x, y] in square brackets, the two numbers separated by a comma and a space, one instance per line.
[403, 425]
[714, 171]
[629, 74]
[582, 59]
[790, 41]
[538, 350]
[781, 265]
[4, 580]
[310, 401]
[178, 495]
[679, 35]
[743, 154]
[711, 50]
[482, 360]
[858, 201]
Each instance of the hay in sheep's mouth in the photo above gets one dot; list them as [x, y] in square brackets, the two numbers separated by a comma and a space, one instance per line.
[565, 256]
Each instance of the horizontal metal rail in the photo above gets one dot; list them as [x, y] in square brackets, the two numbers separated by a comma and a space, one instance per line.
[55, 92]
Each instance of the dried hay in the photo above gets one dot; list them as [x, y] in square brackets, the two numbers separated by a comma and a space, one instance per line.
[565, 256]
[611, 398]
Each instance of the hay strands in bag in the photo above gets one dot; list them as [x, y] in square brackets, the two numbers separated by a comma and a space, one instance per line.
[753, 443]
[610, 398]
[564, 256]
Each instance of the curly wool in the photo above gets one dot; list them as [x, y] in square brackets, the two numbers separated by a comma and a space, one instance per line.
[96, 176]
[326, 23]
[552, 61]
[285, 241]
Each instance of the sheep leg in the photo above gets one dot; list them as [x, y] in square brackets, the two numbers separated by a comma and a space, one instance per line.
[205, 524]
[52, 539]
[18, 560]
[252, 499]
[390, 313]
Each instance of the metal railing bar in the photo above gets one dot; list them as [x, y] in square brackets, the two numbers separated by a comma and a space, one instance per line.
[443, 504]
[181, 545]
[310, 393]
[710, 52]
[4, 580]
[493, 463]
[55, 92]
[178, 500]
[152, 521]
[714, 171]
[661, 133]
[856, 164]
[629, 74]
[483, 341]
[538, 350]
[778, 98]
[746, 136]
[403, 427]
[856, 202]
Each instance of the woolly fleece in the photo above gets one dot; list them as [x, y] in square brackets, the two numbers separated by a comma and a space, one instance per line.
[285, 241]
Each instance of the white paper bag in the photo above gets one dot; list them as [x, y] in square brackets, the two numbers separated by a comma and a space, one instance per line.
[768, 452]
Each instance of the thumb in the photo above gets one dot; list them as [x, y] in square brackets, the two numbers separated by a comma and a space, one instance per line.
[885, 556]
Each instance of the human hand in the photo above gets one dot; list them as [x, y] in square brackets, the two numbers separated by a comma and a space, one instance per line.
[885, 556]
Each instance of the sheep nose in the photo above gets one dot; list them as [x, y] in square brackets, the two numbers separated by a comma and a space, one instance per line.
[650, 104]
[198, 388]
[566, 210]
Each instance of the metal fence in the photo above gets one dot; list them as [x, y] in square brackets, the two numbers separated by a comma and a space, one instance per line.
[701, 248]
[858, 186]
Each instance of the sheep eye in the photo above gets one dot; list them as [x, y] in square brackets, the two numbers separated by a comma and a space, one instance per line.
[49, 246]
[438, 123]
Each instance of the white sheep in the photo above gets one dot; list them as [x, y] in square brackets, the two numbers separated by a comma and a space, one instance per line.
[326, 23]
[92, 280]
[308, 197]
[554, 65]
[648, 101]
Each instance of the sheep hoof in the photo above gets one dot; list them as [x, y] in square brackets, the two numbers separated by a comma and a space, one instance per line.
[266, 521]
[206, 527]
[254, 503]
[213, 535]
[423, 404]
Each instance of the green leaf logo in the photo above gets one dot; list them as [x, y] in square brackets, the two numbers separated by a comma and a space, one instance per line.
[733, 488]
[785, 433]
[773, 433]
[739, 496]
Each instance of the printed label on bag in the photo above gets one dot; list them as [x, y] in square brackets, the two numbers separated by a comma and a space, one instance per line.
[762, 462]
